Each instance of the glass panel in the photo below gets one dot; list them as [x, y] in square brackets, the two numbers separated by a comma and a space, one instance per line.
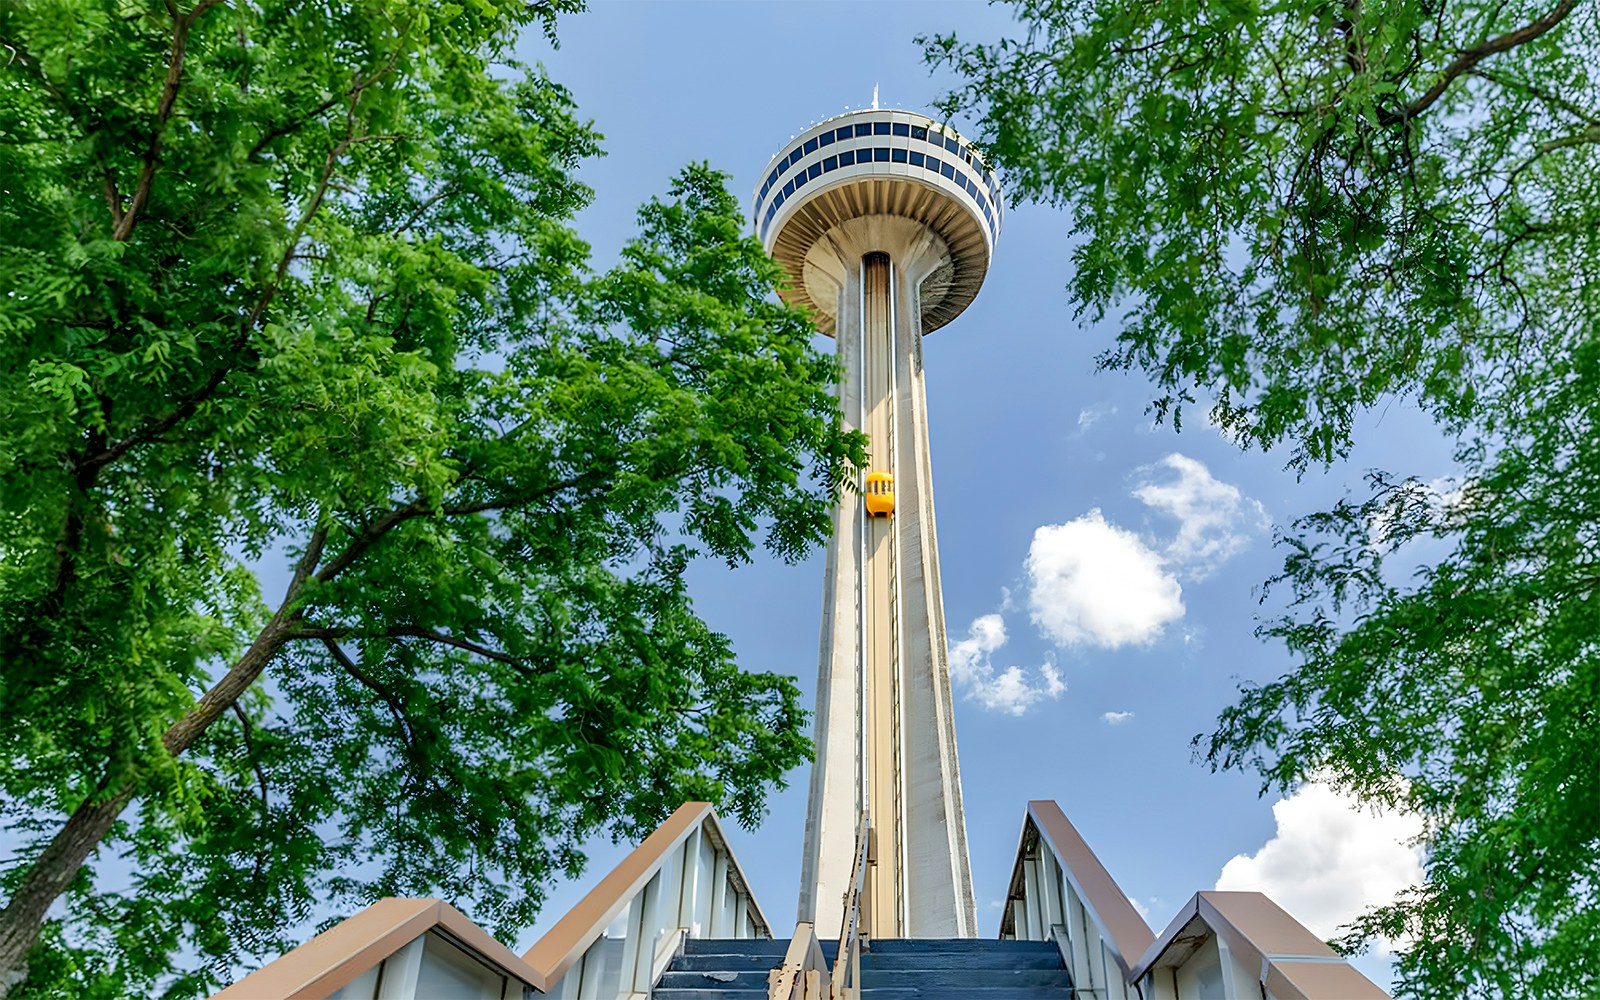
[919, 132]
[952, 145]
[948, 169]
[898, 155]
[800, 180]
[842, 133]
[788, 188]
[814, 170]
[811, 145]
[880, 128]
[901, 128]
[933, 163]
[863, 129]
[825, 139]
[847, 158]
[880, 155]
[830, 163]
[916, 161]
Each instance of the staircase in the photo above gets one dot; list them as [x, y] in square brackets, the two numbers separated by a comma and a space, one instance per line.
[905, 969]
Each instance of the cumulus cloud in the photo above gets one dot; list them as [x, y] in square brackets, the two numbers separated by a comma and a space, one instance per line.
[1011, 690]
[1215, 520]
[1094, 584]
[1330, 859]
[1116, 718]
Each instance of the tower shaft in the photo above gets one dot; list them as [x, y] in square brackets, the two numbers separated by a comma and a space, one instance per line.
[886, 735]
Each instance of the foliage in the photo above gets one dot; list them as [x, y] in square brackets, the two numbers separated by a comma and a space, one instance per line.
[1301, 210]
[293, 291]
[1307, 207]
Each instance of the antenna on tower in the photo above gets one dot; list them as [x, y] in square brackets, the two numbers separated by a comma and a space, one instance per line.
[874, 97]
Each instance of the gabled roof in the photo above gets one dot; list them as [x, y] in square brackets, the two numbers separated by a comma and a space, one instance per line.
[337, 956]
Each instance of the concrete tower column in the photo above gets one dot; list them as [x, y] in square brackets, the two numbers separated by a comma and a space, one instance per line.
[886, 236]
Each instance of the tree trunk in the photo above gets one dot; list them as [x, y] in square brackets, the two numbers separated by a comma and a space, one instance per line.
[48, 878]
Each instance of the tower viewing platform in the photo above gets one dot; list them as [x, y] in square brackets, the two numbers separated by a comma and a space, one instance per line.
[880, 164]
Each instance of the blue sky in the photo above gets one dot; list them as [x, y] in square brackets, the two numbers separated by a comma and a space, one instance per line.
[1126, 555]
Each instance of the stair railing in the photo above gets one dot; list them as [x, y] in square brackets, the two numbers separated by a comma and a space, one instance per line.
[857, 902]
[1061, 892]
[682, 882]
[804, 972]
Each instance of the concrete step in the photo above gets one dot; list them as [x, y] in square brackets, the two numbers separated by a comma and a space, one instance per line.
[897, 969]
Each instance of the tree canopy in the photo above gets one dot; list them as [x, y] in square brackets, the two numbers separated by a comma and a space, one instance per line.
[292, 292]
[1299, 211]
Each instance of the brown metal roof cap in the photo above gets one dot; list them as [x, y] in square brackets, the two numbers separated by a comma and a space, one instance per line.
[318, 968]
[1128, 933]
[1265, 924]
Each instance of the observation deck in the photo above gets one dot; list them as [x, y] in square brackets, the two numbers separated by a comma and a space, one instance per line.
[880, 162]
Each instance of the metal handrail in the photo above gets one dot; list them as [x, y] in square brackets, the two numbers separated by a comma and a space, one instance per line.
[804, 972]
[857, 899]
[664, 889]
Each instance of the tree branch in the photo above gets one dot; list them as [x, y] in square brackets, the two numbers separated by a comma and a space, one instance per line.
[124, 221]
[1466, 59]
[396, 709]
[407, 632]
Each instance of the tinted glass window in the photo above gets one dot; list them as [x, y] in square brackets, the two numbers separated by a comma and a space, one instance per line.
[952, 145]
[897, 155]
[842, 133]
[788, 188]
[864, 129]
[901, 128]
[830, 163]
[800, 180]
[916, 160]
[772, 178]
[847, 158]
[880, 128]
[796, 153]
[933, 163]
[811, 145]
[919, 132]
[948, 170]
[880, 155]
[825, 139]
[814, 170]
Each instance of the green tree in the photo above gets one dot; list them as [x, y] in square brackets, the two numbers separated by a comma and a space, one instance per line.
[290, 283]
[1299, 211]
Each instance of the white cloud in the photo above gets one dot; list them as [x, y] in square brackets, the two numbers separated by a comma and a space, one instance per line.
[1215, 520]
[1093, 583]
[1011, 690]
[1440, 495]
[1330, 859]
[1117, 718]
[1089, 416]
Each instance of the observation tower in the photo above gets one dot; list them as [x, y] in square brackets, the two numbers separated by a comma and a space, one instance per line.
[885, 222]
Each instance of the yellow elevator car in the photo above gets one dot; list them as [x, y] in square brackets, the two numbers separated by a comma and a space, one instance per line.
[880, 494]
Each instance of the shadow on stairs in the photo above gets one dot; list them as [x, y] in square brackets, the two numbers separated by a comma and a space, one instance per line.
[912, 969]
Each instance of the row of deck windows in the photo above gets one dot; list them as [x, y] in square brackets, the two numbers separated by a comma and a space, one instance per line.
[920, 132]
[881, 154]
